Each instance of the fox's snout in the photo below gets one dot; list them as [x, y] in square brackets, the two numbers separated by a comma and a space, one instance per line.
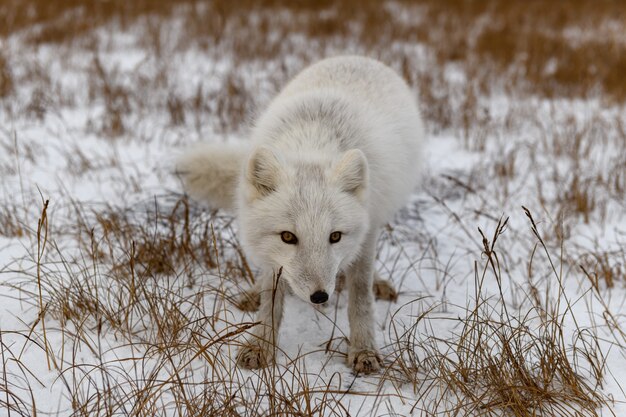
[312, 284]
[319, 297]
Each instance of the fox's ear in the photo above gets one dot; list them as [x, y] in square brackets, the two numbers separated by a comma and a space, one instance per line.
[351, 173]
[262, 173]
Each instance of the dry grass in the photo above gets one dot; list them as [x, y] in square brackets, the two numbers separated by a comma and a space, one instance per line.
[6, 77]
[177, 351]
[149, 296]
[502, 361]
[604, 269]
[138, 300]
[547, 49]
[66, 20]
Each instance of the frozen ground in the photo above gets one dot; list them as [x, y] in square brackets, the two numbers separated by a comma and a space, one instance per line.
[94, 129]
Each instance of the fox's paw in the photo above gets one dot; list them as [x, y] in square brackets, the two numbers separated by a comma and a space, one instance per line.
[383, 290]
[249, 301]
[253, 357]
[365, 361]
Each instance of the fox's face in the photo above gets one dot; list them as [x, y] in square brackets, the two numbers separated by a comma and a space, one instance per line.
[310, 218]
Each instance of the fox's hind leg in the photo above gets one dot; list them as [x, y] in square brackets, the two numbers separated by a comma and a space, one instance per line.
[383, 290]
[362, 353]
[259, 348]
[250, 300]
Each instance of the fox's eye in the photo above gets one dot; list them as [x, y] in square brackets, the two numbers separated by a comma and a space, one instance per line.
[335, 237]
[289, 238]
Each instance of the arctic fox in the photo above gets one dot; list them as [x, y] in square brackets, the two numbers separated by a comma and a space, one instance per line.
[335, 154]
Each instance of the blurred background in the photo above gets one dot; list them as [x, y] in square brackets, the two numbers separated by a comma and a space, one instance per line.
[118, 291]
[452, 52]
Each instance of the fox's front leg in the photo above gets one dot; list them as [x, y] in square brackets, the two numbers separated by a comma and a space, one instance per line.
[362, 353]
[259, 349]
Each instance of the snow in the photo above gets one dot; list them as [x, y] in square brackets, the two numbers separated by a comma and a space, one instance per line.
[429, 255]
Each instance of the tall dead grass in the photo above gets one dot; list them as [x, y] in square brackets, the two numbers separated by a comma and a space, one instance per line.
[138, 301]
[175, 350]
[502, 361]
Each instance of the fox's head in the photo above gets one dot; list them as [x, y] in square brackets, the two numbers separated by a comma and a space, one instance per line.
[307, 215]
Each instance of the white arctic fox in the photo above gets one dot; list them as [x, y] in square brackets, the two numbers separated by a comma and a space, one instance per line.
[332, 158]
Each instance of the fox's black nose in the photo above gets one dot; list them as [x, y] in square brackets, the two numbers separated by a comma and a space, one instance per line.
[319, 297]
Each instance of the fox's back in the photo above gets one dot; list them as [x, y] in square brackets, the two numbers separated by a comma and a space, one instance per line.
[365, 79]
[353, 91]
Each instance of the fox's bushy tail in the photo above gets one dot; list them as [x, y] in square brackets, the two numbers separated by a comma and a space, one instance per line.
[210, 172]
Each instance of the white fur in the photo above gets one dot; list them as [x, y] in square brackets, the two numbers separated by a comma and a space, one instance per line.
[337, 150]
[211, 172]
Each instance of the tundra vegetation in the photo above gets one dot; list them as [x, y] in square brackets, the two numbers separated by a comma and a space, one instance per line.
[119, 294]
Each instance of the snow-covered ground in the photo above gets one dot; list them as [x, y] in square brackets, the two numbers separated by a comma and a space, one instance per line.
[94, 129]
